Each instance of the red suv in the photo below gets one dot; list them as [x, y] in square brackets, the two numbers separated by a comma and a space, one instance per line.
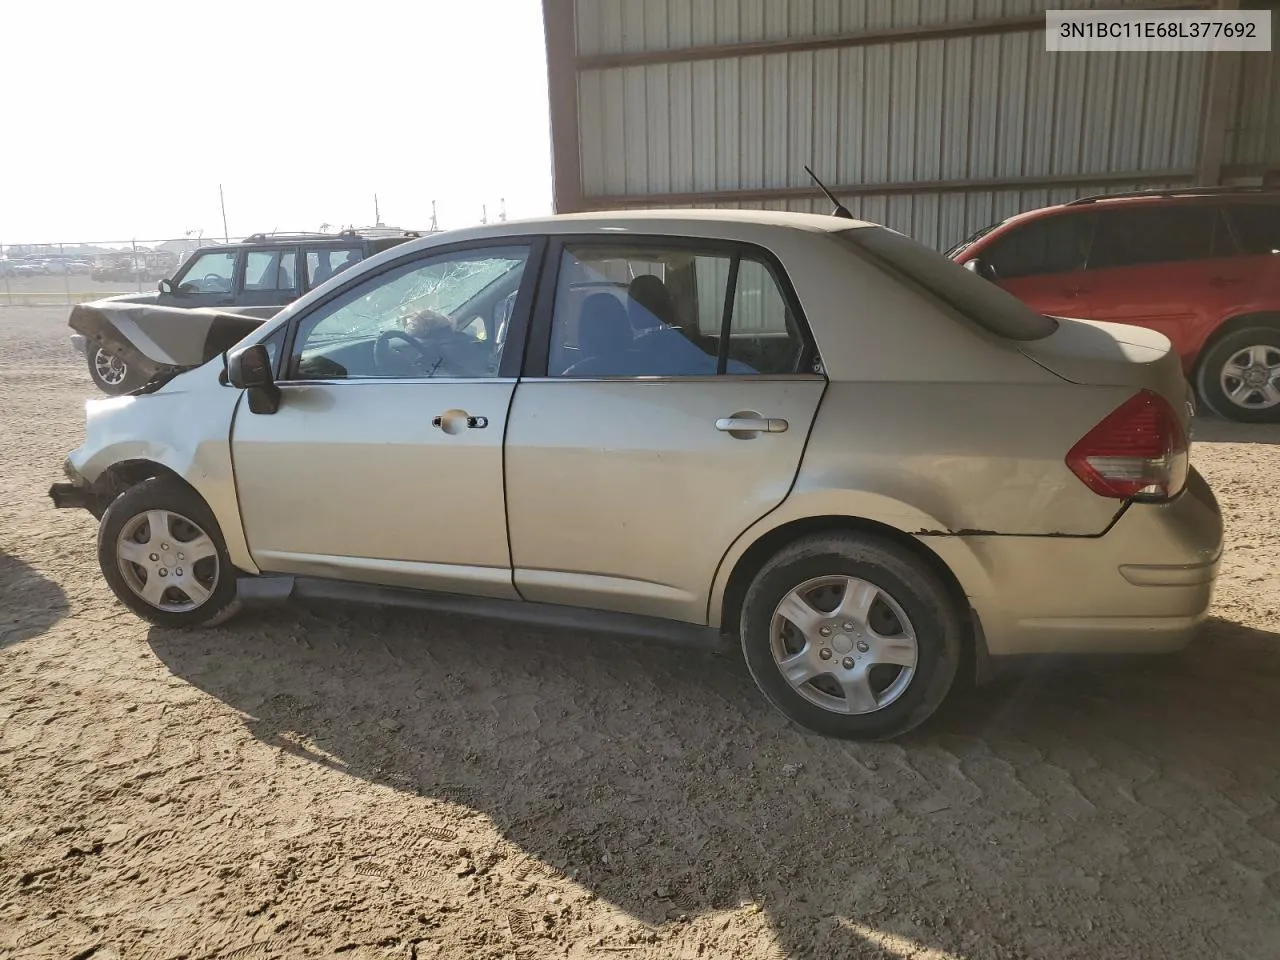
[1200, 266]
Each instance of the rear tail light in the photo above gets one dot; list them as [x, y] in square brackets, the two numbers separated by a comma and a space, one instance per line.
[1138, 452]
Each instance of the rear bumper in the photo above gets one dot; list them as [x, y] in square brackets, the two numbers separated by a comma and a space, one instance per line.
[1143, 587]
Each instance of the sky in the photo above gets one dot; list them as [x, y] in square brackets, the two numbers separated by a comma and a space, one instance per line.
[120, 120]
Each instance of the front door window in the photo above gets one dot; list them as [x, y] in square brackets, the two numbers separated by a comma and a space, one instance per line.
[438, 317]
[209, 273]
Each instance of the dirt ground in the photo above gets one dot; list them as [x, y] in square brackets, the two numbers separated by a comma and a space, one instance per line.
[343, 780]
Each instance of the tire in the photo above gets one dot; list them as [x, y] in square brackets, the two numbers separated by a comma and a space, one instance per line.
[1235, 350]
[908, 602]
[209, 577]
[111, 373]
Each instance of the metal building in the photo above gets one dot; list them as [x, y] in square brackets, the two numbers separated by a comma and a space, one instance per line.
[934, 117]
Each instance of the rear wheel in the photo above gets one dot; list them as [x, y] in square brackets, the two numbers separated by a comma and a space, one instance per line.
[110, 372]
[1239, 377]
[162, 554]
[851, 636]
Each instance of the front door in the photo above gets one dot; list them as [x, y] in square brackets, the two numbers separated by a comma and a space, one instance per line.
[383, 463]
[207, 281]
[645, 441]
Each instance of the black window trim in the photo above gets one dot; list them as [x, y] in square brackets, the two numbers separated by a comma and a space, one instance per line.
[538, 347]
[517, 326]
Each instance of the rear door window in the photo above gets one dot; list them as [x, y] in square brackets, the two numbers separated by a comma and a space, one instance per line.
[1257, 226]
[1136, 236]
[648, 310]
[271, 271]
[1044, 246]
[325, 262]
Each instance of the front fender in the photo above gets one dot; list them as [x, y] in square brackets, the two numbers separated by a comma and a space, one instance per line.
[184, 427]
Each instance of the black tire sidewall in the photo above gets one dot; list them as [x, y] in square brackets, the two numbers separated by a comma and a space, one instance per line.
[1208, 375]
[925, 602]
[165, 493]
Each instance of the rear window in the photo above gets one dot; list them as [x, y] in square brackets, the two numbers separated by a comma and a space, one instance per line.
[979, 300]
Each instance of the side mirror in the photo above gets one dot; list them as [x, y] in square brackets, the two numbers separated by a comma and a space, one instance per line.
[165, 286]
[249, 368]
[983, 269]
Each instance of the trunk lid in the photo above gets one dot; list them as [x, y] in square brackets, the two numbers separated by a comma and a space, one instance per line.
[1115, 355]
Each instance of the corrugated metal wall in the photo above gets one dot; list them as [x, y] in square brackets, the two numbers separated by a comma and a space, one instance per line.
[1253, 135]
[985, 107]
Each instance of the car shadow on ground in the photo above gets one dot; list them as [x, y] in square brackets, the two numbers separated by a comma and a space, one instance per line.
[661, 779]
[29, 602]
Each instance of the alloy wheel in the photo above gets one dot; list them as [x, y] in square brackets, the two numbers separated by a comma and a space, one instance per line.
[167, 560]
[1249, 378]
[844, 644]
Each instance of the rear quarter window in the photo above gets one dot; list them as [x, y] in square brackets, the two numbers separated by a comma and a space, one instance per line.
[944, 280]
[1257, 226]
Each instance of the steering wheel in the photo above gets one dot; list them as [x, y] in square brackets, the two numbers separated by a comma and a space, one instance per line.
[388, 361]
[213, 283]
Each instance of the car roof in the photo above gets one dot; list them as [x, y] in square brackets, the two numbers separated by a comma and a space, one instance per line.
[650, 222]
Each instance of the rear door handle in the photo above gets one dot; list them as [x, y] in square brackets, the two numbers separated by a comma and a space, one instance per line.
[1224, 281]
[752, 425]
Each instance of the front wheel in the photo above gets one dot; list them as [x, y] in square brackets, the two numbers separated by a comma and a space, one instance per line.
[1239, 376]
[110, 372]
[851, 636]
[162, 554]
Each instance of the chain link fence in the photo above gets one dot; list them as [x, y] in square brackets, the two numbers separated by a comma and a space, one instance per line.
[69, 272]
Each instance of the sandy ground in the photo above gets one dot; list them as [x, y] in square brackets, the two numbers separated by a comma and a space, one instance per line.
[339, 780]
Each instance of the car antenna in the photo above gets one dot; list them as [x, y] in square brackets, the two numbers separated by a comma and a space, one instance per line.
[840, 209]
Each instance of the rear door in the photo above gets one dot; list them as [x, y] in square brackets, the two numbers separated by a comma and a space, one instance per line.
[642, 439]
[1167, 267]
[1041, 262]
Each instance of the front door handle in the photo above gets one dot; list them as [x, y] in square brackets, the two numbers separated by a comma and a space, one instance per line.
[744, 426]
[455, 421]
[1225, 281]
